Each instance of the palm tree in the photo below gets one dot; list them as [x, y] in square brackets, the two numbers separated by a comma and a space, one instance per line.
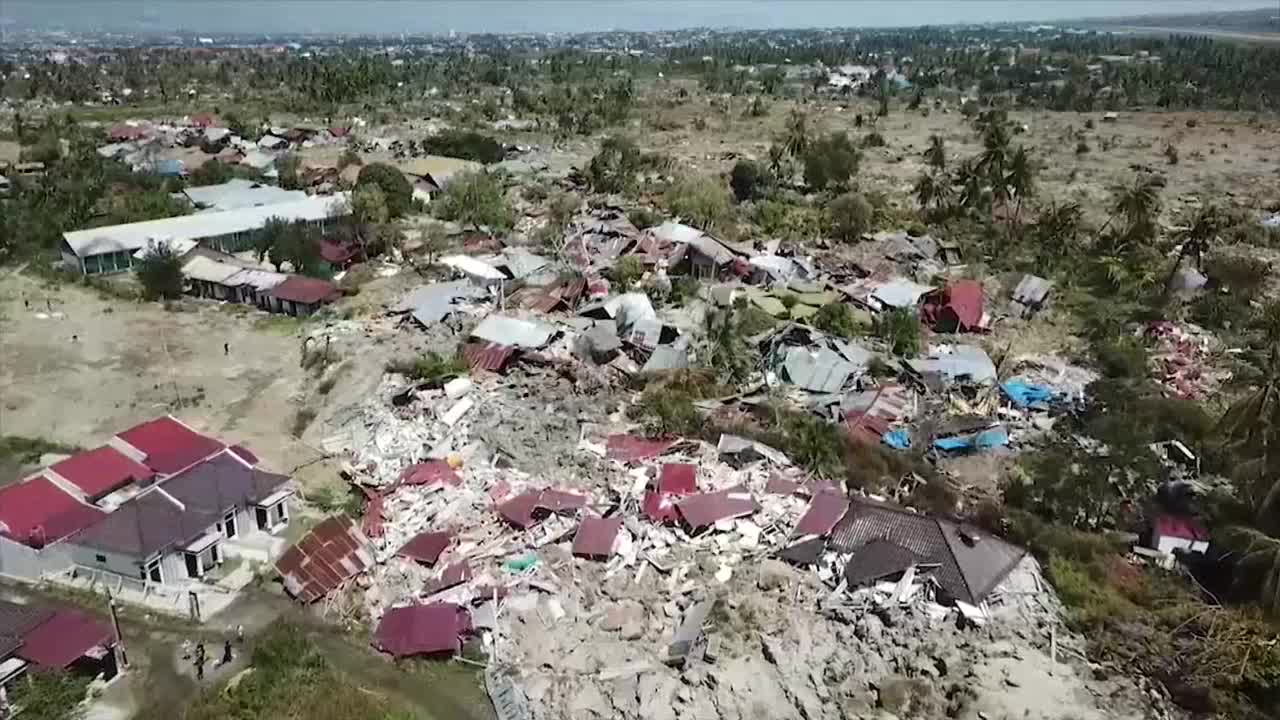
[933, 191]
[936, 154]
[1020, 180]
[973, 190]
[777, 156]
[797, 137]
[1137, 206]
[1057, 229]
[1251, 429]
[1195, 240]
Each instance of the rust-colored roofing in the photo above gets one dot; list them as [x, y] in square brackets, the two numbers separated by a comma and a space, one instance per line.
[372, 522]
[706, 509]
[629, 448]
[595, 537]
[450, 577]
[487, 356]
[779, 485]
[332, 553]
[678, 478]
[426, 547]
[430, 473]
[566, 292]
[519, 510]
[825, 510]
[866, 427]
[422, 630]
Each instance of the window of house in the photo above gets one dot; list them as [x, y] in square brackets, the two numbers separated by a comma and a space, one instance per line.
[100, 558]
[229, 524]
[153, 573]
[264, 518]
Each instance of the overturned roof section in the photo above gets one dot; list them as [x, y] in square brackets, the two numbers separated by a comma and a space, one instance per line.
[332, 553]
[825, 510]
[505, 330]
[422, 630]
[706, 509]
[963, 363]
[970, 563]
[426, 547]
[432, 303]
[305, 290]
[595, 536]
[630, 448]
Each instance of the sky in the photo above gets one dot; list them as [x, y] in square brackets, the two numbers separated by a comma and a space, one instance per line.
[513, 16]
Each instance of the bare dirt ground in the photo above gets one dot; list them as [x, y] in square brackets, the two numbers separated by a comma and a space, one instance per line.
[96, 365]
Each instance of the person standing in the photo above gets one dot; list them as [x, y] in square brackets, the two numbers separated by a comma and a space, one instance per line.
[226, 652]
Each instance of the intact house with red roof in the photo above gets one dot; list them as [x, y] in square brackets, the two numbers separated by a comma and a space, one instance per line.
[158, 503]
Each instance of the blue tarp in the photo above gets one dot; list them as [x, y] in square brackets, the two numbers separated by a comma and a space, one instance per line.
[1025, 394]
[997, 436]
[898, 439]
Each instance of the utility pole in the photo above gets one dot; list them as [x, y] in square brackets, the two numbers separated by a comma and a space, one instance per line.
[115, 622]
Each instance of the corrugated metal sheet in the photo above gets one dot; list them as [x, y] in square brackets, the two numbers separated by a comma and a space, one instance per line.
[429, 473]
[332, 553]
[421, 630]
[629, 448]
[64, 638]
[506, 330]
[822, 371]
[963, 362]
[487, 356]
[825, 510]
[705, 509]
[595, 537]
[426, 547]
[519, 510]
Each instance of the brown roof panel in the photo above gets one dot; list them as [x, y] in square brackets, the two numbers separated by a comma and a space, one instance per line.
[825, 510]
[706, 509]
[487, 356]
[426, 547]
[595, 537]
[332, 553]
[629, 448]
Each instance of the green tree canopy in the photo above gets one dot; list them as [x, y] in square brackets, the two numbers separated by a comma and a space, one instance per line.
[160, 273]
[476, 199]
[831, 161]
[396, 190]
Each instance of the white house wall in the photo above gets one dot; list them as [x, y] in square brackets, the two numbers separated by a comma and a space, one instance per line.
[24, 563]
[117, 563]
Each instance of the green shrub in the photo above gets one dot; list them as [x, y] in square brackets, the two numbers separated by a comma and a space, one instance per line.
[788, 220]
[465, 144]
[643, 217]
[851, 216]
[627, 272]
[703, 202]
[831, 161]
[900, 328]
[614, 168]
[873, 139]
[396, 190]
[431, 368]
[749, 180]
[667, 411]
[1122, 357]
[836, 319]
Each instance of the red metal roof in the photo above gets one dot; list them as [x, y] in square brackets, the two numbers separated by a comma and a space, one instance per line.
[450, 577]
[956, 308]
[332, 553]
[1180, 526]
[561, 501]
[426, 547]
[305, 290]
[169, 446]
[37, 512]
[825, 510]
[337, 253]
[629, 448]
[779, 485]
[99, 471]
[519, 510]
[64, 638]
[678, 478]
[595, 536]
[428, 473]
[126, 132]
[705, 509]
[487, 356]
[372, 522]
[205, 120]
[422, 630]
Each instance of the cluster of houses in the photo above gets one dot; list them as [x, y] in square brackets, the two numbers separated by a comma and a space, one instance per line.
[157, 504]
[227, 219]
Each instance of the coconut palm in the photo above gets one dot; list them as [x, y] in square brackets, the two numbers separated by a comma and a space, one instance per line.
[973, 187]
[1251, 429]
[1057, 230]
[797, 136]
[936, 154]
[1020, 180]
[1137, 207]
[1195, 240]
[933, 191]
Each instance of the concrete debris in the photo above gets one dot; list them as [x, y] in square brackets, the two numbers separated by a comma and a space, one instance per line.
[507, 330]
